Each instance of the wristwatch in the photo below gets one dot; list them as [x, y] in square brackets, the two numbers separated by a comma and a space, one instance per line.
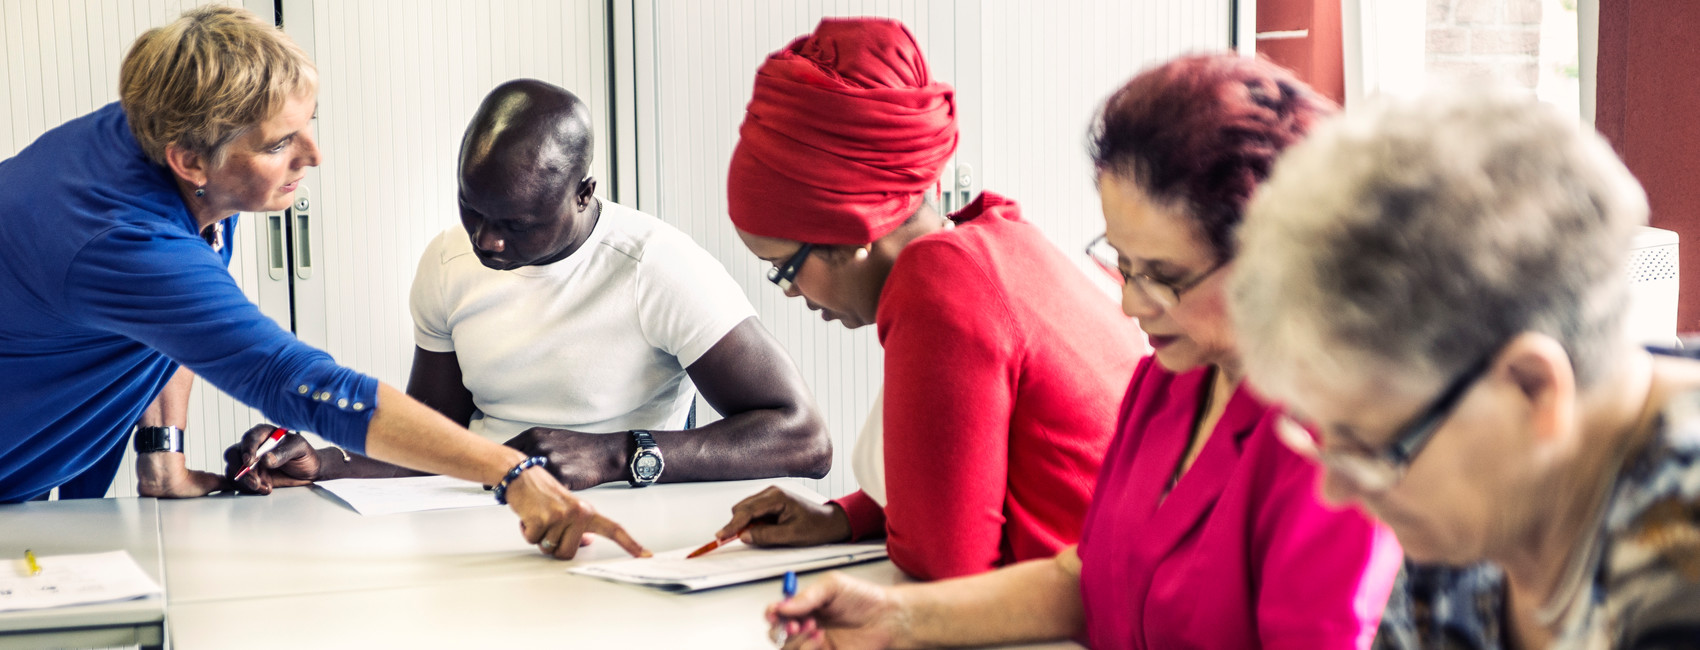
[646, 463]
[152, 439]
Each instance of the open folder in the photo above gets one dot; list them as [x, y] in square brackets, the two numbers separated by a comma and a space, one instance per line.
[732, 564]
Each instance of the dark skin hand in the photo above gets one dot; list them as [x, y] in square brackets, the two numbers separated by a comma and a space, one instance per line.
[771, 427]
[775, 517]
[294, 462]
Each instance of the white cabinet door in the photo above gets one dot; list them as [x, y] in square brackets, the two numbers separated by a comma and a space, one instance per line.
[1043, 70]
[1028, 76]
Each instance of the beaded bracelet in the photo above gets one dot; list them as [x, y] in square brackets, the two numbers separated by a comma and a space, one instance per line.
[502, 488]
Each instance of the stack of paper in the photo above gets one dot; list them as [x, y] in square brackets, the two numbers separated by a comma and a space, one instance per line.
[74, 580]
[388, 496]
[730, 565]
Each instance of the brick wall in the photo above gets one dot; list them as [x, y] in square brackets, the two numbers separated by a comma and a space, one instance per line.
[1474, 38]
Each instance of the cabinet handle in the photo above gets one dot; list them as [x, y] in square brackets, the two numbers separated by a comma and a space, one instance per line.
[301, 234]
[274, 245]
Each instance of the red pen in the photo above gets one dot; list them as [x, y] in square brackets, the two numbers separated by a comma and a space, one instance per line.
[716, 544]
[265, 448]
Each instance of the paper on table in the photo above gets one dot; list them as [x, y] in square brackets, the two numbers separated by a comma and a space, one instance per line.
[732, 564]
[387, 496]
[74, 580]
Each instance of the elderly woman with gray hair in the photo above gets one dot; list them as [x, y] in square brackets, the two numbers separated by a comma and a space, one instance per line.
[1444, 315]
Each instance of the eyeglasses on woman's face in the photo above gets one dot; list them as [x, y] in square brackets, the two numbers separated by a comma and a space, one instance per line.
[785, 274]
[1377, 472]
[1164, 293]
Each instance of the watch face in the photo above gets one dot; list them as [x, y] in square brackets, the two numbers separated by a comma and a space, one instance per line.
[647, 467]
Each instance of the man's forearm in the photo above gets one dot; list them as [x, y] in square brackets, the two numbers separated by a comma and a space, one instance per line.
[760, 443]
[408, 433]
[338, 463]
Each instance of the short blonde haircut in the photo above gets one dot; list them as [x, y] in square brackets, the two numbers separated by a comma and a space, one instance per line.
[207, 78]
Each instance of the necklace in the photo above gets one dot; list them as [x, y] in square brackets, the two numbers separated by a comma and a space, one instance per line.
[1197, 428]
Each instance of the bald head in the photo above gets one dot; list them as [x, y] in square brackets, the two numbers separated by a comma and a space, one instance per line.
[526, 197]
[529, 140]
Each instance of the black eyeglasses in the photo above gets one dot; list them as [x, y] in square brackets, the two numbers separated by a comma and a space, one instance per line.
[784, 274]
[1165, 294]
[1379, 472]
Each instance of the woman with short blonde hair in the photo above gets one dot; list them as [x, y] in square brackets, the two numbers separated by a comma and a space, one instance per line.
[114, 242]
[201, 83]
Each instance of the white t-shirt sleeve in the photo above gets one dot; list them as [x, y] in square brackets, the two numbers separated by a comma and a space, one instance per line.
[430, 310]
[686, 300]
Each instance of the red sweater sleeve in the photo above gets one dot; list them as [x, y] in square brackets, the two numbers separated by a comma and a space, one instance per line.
[951, 365]
[867, 518]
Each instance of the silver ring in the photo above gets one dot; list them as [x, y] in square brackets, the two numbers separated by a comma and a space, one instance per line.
[547, 544]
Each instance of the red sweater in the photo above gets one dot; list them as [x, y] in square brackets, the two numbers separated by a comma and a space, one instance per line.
[1004, 367]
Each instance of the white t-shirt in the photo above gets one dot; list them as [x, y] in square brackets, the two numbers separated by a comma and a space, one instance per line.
[597, 342]
[867, 458]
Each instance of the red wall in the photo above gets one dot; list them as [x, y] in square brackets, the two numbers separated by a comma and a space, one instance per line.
[1648, 106]
[1318, 58]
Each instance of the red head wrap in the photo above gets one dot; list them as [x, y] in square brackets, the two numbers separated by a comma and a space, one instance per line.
[843, 134]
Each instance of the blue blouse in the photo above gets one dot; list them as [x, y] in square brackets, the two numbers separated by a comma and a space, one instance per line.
[105, 287]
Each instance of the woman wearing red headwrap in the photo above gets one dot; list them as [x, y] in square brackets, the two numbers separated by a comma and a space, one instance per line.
[1003, 364]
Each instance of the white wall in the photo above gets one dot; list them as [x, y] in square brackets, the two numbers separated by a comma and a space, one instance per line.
[1044, 75]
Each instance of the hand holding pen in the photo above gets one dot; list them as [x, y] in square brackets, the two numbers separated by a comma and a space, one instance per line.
[838, 611]
[783, 626]
[268, 457]
[265, 448]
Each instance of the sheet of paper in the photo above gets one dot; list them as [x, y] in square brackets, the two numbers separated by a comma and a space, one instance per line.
[73, 580]
[732, 564]
[387, 496]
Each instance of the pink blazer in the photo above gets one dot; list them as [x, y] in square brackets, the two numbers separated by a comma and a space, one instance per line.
[1242, 554]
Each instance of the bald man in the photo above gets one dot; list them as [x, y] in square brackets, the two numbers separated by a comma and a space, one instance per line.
[581, 330]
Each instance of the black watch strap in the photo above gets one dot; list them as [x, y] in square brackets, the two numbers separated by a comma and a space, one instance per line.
[148, 440]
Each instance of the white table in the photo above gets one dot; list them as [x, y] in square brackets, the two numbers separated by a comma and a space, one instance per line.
[85, 526]
[299, 569]
[302, 541]
[322, 575]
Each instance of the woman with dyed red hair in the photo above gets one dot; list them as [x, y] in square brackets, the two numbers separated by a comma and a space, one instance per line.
[1205, 531]
[1003, 364]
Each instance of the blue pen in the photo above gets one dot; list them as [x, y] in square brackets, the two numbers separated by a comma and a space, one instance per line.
[788, 587]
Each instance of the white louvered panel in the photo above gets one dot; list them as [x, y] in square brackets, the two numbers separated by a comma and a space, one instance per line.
[398, 82]
[59, 60]
[1047, 71]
